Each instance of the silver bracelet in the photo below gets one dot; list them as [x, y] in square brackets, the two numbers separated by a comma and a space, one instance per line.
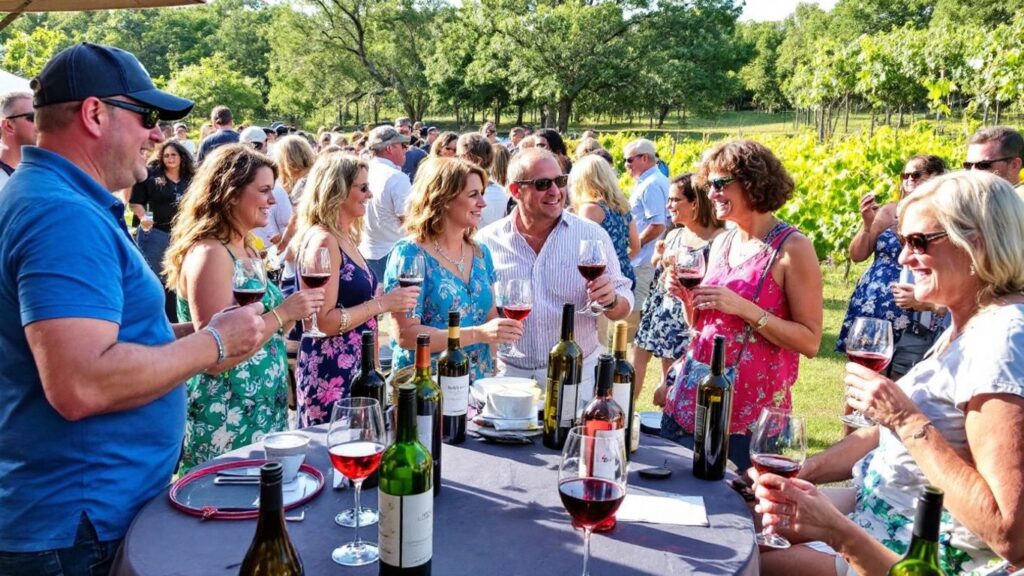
[221, 351]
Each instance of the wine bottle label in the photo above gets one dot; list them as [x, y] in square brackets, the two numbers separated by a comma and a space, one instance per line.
[604, 460]
[425, 431]
[568, 405]
[622, 393]
[405, 529]
[701, 420]
[455, 394]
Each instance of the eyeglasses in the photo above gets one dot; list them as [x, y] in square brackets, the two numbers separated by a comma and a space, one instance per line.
[543, 184]
[30, 116]
[150, 116]
[985, 164]
[720, 183]
[633, 157]
[918, 241]
[915, 175]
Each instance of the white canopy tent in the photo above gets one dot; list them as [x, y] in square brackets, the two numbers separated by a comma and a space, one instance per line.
[15, 8]
[12, 83]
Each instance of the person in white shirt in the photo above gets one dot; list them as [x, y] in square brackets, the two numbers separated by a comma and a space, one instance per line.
[476, 149]
[17, 129]
[390, 187]
[181, 135]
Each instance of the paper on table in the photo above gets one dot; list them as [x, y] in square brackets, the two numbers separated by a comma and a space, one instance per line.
[665, 509]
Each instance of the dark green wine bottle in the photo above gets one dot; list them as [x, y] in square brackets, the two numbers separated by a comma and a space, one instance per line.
[369, 383]
[624, 381]
[714, 411]
[565, 371]
[271, 552]
[922, 558]
[428, 407]
[406, 527]
[453, 377]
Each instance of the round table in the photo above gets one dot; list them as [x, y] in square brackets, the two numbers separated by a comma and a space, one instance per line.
[498, 514]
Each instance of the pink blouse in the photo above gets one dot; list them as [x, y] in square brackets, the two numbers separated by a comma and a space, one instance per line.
[766, 371]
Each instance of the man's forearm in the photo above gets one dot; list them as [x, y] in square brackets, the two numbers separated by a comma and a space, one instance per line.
[651, 233]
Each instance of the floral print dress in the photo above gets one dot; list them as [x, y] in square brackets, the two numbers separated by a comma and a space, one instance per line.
[240, 405]
[663, 330]
[443, 291]
[873, 296]
[617, 227]
[326, 366]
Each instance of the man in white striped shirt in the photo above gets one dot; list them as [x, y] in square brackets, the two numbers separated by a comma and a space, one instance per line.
[541, 241]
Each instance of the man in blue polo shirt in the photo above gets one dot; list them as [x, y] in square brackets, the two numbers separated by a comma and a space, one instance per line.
[92, 409]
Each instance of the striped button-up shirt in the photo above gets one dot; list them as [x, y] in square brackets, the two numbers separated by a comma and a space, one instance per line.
[555, 281]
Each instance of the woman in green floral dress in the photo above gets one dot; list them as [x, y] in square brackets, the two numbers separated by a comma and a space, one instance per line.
[242, 398]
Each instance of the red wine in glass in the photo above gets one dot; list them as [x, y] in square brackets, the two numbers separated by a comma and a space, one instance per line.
[316, 280]
[591, 271]
[774, 464]
[690, 279]
[590, 501]
[516, 312]
[407, 282]
[873, 361]
[246, 297]
[356, 460]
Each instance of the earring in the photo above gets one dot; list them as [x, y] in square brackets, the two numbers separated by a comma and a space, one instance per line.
[974, 271]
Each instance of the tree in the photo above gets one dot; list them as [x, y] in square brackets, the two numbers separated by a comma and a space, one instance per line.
[760, 76]
[25, 54]
[214, 81]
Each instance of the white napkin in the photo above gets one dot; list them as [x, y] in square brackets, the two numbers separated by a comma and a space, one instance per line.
[665, 508]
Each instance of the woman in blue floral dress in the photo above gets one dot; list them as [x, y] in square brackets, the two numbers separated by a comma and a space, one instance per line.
[596, 196]
[329, 217]
[444, 210]
[872, 297]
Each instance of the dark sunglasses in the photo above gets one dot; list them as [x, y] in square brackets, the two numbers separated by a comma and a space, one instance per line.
[543, 184]
[915, 175]
[918, 241]
[30, 116]
[633, 157]
[720, 183]
[985, 164]
[150, 116]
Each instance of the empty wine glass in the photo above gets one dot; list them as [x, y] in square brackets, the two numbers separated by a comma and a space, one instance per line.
[868, 343]
[248, 281]
[356, 442]
[315, 270]
[411, 271]
[514, 300]
[592, 480]
[592, 263]
[778, 445]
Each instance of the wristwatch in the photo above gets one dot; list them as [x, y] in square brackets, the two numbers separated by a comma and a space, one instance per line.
[762, 321]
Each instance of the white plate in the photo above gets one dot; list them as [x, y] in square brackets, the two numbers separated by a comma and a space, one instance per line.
[484, 419]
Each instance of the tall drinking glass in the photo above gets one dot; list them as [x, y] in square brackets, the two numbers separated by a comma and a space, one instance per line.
[778, 445]
[868, 343]
[315, 270]
[356, 442]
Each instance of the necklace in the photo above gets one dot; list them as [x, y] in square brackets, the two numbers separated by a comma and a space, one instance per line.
[459, 264]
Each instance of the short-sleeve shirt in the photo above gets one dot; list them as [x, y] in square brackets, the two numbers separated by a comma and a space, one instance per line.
[442, 291]
[66, 253]
[381, 226]
[497, 204]
[647, 203]
[280, 214]
[413, 157]
[216, 140]
[161, 196]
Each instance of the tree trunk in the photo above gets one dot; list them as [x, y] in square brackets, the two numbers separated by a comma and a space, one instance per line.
[984, 119]
[871, 129]
[564, 111]
[899, 121]
[359, 125]
[846, 119]
[888, 116]
[999, 112]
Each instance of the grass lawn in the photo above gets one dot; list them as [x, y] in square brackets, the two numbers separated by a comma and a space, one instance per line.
[818, 393]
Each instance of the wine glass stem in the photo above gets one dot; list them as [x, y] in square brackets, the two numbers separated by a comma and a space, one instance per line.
[586, 550]
[358, 488]
[312, 321]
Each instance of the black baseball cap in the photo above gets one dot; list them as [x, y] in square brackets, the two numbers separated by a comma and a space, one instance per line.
[86, 69]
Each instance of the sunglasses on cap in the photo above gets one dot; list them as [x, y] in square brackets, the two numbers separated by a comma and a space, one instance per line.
[543, 184]
[30, 116]
[985, 164]
[150, 116]
[720, 183]
[915, 175]
[918, 241]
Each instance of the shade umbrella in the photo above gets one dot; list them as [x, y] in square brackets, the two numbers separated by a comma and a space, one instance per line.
[15, 8]
[12, 83]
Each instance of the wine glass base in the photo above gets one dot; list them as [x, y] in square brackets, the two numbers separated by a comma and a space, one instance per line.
[367, 517]
[858, 420]
[769, 540]
[356, 554]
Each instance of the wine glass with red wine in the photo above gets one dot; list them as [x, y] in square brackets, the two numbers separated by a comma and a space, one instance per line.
[868, 343]
[356, 442]
[592, 480]
[412, 268]
[315, 270]
[690, 267]
[778, 445]
[514, 298]
[248, 281]
[592, 264]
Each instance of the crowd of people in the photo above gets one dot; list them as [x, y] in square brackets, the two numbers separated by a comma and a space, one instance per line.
[127, 357]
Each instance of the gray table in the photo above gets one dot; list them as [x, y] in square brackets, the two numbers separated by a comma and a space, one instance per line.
[498, 514]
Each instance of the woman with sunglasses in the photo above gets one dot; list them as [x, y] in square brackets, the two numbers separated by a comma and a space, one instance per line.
[955, 421]
[872, 297]
[761, 290]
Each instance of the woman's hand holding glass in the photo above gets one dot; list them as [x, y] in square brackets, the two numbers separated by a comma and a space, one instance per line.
[412, 269]
[778, 446]
[869, 343]
[797, 509]
[301, 304]
[400, 299]
[868, 392]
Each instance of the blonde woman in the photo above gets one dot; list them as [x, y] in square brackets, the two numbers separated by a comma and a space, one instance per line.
[596, 196]
[329, 216]
[241, 399]
[444, 211]
[499, 164]
[585, 147]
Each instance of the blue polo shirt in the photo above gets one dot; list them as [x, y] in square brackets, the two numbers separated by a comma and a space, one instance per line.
[65, 253]
[648, 204]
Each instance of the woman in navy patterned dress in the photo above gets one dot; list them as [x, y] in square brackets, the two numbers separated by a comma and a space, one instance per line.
[596, 197]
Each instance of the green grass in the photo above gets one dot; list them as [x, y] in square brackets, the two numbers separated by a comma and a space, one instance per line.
[818, 393]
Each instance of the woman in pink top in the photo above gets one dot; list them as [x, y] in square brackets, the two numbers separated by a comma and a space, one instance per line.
[747, 185]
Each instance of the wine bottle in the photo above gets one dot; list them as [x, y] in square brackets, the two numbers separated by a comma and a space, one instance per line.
[428, 407]
[624, 381]
[453, 376]
[565, 371]
[603, 416]
[369, 383]
[405, 531]
[922, 558]
[714, 411]
[271, 552]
